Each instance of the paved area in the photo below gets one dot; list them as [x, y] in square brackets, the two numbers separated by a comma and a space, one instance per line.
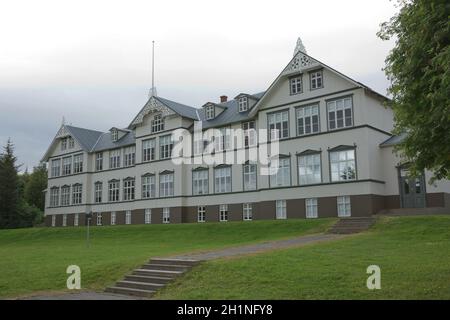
[209, 255]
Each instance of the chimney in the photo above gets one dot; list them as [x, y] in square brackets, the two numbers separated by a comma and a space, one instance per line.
[223, 99]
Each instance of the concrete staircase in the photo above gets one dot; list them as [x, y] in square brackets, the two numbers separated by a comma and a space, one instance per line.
[352, 225]
[152, 276]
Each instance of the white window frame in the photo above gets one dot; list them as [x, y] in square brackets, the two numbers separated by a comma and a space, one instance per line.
[99, 161]
[64, 144]
[247, 211]
[200, 182]
[66, 166]
[77, 194]
[201, 213]
[281, 209]
[166, 186]
[148, 186]
[309, 169]
[54, 220]
[157, 123]
[222, 139]
[281, 174]
[166, 215]
[78, 163]
[250, 135]
[165, 146]
[129, 189]
[250, 172]
[344, 206]
[65, 195]
[129, 156]
[99, 219]
[149, 150]
[278, 125]
[54, 196]
[243, 104]
[148, 216]
[311, 207]
[209, 112]
[308, 119]
[114, 135]
[98, 192]
[64, 222]
[223, 213]
[113, 218]
[56, 167]
[296, 85]
[222, 180]
[128, 217]
[76, 220]
[340, 113]
[315, 77]
[113, 190]
[114, 158]
[343, 165]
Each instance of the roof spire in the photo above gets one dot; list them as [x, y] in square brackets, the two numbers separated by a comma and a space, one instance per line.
[299, 46]
[63, 121]
[153, 89]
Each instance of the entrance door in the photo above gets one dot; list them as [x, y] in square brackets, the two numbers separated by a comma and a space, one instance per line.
[412, 190]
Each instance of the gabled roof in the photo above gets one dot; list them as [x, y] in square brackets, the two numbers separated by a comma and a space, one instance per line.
[181, 109]
[394, 140]
[106, 142]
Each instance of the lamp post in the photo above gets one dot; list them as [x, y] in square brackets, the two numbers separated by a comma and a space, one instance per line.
[88, 219]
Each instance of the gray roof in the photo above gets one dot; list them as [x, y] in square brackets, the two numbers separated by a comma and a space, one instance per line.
[181, 109]
[106, 142]
[85, 137]
[394, 140]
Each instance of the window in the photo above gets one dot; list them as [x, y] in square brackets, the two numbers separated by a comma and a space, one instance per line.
[281, 209]
[148, 216]
[200, 183]
[209, 111]
[114, 159]
[53, 220]
[157, 123]
[76, 220]
[56, 167]
[99, 161]
[309, 170]
[201, 214]
[54, 197]
[148, 186]
[278, 125]
[128, 189]
[222, 139]
[129, 156]
[78, 163]
[63, 144]
[249, 176]
[99, 219]
[114, 135]
[296, 85]
[65, 195]
[67, 166]
[311, 208]
[148, 150]
[344, 206]
[98, 192]
[113, 218]
[165, 147]
[222, 180]
[243, 104]
[64, 223]
[280, 176]
[166, 215]
[128, 217]
[77, 190]
[223, 213]
[340, 113]
[113, 190]
[247, 214]
[316, 80]
[71, 143]
[250, 138]
[343, 166]
[308, 119]
[166, 185]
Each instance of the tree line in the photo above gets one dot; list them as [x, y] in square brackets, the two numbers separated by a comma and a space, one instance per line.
[22, 198]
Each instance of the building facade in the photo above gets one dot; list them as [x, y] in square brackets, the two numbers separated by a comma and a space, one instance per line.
[335, 158]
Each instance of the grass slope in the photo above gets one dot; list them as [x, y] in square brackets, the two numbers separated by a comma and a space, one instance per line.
[412, 252]
[36, 259]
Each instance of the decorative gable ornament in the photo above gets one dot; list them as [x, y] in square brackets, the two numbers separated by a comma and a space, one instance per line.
[62, 132]
[300, 62]
[152, 106]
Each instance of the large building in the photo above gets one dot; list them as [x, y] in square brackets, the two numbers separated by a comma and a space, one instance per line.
[335, 158]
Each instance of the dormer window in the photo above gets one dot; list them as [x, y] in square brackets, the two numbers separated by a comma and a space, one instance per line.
[296, 85]
[209, 110]
[71, 143]
[316, 79]
[243, 104]
[114, 135]
[157, 123]
[63, 144]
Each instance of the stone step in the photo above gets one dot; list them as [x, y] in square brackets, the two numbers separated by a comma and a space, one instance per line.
[131, 291]
[168, 261]
[139, 285]
[147, 279]
[352, 225]
[167, 267]
[157, 273]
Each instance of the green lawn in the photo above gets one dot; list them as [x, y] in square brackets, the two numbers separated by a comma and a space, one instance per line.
[412, 252]
[33, 260]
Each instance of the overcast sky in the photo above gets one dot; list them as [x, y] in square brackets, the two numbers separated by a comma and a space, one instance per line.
[90, 61]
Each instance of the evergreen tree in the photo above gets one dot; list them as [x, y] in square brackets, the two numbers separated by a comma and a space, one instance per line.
[34, 187]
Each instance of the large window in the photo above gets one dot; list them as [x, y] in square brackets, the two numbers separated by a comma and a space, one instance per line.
[129, 156]
[311, 208]
[157, 123]
[278, 124]
[249, 176]
[222, 139]
[201, 214]
[222, 180]
[308, 119]
[114, 159]
[148, 150]
[148, 216]
[65, 195]
[56, 167]
[296, 85]
[148, 186]
[309, 170]
[209, 112]
[165, 146]
[247, 212]
[166, 185]
[281, 209]
[78, 163]
[250, 137]
[344, 206]
[316, 79]
[77, 191]
[98, 192]
[340, 114]
[243, 104]
[200, 182]
[99, 161]
[343, 165]
[166, 215]
[280, 176]
[54, 197]
[113, 190]
[223, 212]
[67, 166]
[128, 189]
